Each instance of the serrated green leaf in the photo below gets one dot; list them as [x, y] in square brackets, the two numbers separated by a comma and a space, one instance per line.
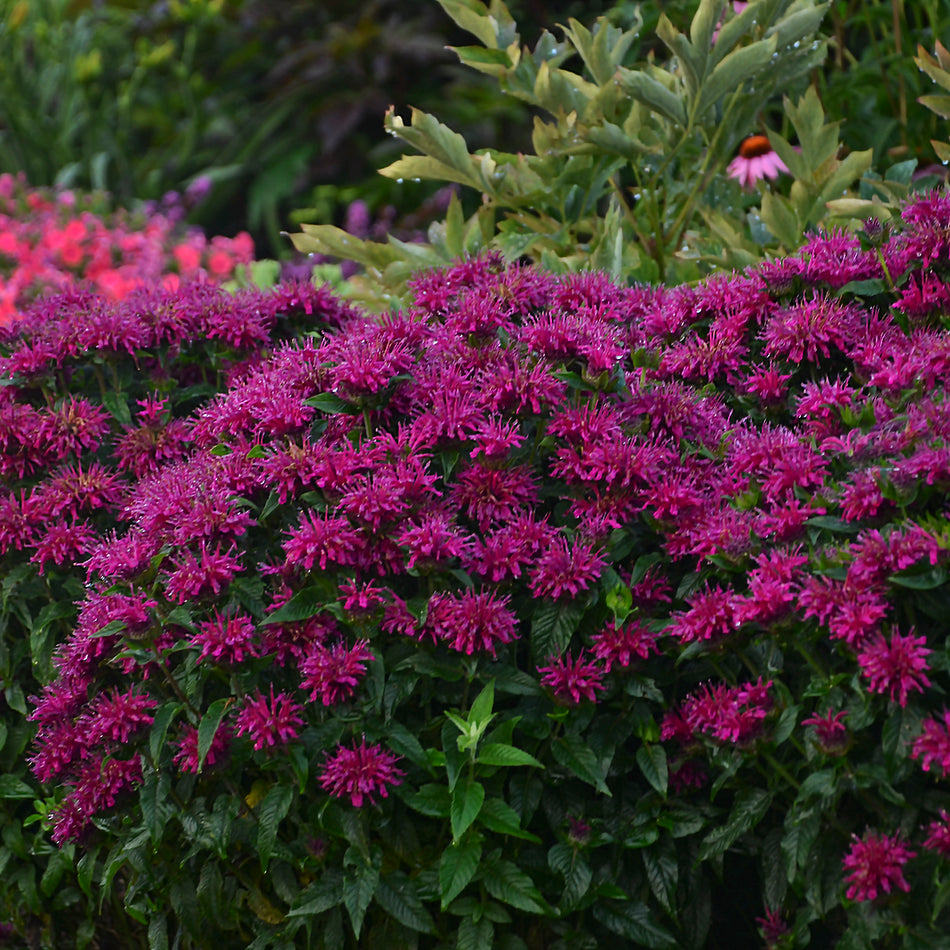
[359, 885]
[431, 799]
[552, 626]
[652, 762]
[475, 935]
[271, 812]
[320, 896]
[397, 895]
[577, 757]
[163, 719]
[662, 870]
[158, 933]
[924, 580]
[468, 796]
[457, 867]
[801, 831]
[208, 727]
[506, 882]
[498, 816]
[747, 810]
[577, 881]
[633, 921]
[498, 753]
[774, 879]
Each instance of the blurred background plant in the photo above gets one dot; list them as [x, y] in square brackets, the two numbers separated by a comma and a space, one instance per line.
[282, 110]
[628, 168]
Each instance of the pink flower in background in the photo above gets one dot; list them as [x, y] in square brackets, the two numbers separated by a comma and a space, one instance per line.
[938, 835]
[755, 160]
[361, 772]
[874, 864]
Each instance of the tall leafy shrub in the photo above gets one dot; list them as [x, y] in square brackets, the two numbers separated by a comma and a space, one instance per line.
[628, 168]
[544, 613]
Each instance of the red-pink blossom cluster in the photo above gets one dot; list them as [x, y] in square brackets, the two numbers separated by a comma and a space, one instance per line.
[53, 240]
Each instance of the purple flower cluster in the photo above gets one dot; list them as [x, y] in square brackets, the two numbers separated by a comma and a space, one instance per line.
[596, 489]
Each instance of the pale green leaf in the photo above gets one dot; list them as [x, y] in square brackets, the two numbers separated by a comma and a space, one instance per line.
[737, 68]
[654, 94]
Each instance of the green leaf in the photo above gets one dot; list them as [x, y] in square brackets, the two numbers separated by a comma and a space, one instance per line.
[475, 935]
[507, 883]
[735, 69]
[925, 580]
[359, 885]
[801, 831]
[652, 762]
[493, 29]
[397, 895]
[749, 807]
[431, 799]
[303, 605]
[575, 755]
[457, 867]
[271, 812]
[481, 711]
[153, 800]
[467, 800]
[654, 94]
[118, 408]
[632, 920]
[498, 816]
[692, 59]
[331, 404]
[12, 787]
[552, 627]
[158, 933]
[773, 877]
[320, 896]
[335, 242]
[163, 718]
[499, 753]
[707, 17]
[208, 726]
[662, 870]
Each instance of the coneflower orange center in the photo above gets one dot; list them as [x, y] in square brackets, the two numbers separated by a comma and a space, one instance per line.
[754, 146]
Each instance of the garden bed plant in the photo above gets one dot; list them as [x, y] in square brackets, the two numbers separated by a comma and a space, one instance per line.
[542, 613]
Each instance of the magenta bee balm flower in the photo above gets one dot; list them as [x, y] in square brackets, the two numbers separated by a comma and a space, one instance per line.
[360, 773]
